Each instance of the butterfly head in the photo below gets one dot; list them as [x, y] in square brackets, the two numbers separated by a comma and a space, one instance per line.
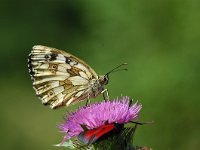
[104, 79]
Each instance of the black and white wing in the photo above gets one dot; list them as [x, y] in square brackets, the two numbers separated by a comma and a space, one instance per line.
[59, 78]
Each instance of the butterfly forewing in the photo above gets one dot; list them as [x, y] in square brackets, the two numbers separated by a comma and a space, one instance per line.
[59, 78]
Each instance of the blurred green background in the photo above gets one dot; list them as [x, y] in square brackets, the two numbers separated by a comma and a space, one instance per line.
[158, 39]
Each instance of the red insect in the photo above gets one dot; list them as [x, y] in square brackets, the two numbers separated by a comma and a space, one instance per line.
[91, 136]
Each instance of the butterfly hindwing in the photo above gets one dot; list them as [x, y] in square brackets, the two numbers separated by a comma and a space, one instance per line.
[59, 78]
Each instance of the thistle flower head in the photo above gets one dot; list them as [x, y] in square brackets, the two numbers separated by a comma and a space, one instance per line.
[118, 111]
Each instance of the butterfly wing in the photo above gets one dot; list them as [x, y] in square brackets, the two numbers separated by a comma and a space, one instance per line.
[59, 78]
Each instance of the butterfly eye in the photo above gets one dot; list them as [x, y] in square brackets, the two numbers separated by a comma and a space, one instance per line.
[105, 79]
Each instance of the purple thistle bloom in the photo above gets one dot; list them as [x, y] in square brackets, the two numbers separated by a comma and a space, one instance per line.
[95, 115]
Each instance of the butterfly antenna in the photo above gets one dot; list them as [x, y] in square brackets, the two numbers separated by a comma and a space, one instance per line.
[116, 68]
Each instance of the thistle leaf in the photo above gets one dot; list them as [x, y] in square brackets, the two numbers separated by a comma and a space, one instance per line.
[74, 144]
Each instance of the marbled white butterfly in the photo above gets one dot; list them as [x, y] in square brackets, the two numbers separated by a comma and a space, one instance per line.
[59, 78]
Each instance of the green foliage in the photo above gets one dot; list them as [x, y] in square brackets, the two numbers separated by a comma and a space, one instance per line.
[158, 39]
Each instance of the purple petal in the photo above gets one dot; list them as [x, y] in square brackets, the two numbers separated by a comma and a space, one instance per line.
[97, 114]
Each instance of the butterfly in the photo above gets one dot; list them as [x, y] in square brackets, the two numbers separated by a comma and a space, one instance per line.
[60, 78]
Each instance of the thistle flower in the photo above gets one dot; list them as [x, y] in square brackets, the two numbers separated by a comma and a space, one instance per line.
[101, 117]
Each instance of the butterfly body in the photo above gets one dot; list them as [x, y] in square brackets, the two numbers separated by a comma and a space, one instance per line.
[60, 78]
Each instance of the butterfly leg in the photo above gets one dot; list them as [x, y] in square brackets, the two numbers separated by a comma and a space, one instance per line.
[105, 94]
[88, 100]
